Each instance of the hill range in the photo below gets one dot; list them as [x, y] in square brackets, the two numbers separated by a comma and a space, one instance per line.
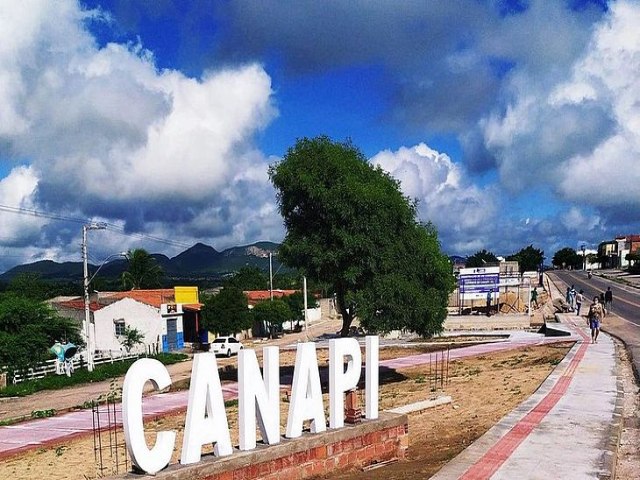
[197, 262]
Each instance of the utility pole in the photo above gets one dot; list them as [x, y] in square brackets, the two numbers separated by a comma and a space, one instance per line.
[304, 293]
[270, 278]
[584, 257]
[86, 327]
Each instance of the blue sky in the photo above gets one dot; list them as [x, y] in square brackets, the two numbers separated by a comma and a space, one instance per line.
[511, 122]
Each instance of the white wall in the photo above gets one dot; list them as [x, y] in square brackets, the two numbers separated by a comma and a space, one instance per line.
[145, 318]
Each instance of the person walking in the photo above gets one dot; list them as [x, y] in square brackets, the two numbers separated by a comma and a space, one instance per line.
[596, 314]
[572, 298]
[579, 300]
[608, 299]
[489, 299]
[534, 296]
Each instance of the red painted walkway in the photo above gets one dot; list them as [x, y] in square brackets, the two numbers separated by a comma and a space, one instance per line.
[563, 431]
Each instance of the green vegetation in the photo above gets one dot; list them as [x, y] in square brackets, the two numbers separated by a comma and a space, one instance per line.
[248, 278]
[296, 305]
[272, 313]
[529, 259]
[567, 257]
[132, 338]
[28, 328]
[32, 285]
[480, 259]
[227, 312]
[142, 271]
[350, 227]
[101, 372]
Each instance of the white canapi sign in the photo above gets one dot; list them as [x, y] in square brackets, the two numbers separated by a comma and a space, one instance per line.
[258, 400]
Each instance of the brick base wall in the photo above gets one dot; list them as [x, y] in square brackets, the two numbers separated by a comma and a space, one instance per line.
[312, 455]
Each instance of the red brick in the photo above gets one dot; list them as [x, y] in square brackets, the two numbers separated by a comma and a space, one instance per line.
[239, 474]
[264, 468]
[342, 460]
[330, 464]
[319, 453]
[287, 461]
[300, 457]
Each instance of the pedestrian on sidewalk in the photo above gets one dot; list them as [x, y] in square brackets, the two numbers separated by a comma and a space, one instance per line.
[596, 314]
[489, 298]
[579, 300]
[534, 296]
[572, 298]
[608, 299]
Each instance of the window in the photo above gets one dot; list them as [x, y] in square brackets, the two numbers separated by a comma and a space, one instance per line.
[119, 327]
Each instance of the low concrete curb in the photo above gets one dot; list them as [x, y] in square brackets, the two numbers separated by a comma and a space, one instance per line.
[420, 406]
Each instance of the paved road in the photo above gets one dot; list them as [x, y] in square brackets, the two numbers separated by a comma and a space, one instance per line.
[626, 300]
[624, 320]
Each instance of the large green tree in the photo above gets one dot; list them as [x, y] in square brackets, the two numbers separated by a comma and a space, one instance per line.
[142, 271]
[227, 312]
[349, 226]
[480, 259]
[27, 329]
[567, 257]
[529, 259]
[272, 313]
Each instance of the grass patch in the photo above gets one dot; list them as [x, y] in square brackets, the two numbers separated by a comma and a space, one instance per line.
[102, 372]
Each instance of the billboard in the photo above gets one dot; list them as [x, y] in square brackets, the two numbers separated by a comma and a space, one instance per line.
[475, 283]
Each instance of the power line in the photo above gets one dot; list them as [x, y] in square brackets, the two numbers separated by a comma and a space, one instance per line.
[110, 226]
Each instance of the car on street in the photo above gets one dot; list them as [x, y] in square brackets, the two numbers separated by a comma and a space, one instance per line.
[226, 346]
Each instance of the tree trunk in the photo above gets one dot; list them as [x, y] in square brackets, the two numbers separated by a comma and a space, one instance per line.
[347, 315]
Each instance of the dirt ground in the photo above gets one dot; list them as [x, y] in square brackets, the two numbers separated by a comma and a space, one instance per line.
[483, 390]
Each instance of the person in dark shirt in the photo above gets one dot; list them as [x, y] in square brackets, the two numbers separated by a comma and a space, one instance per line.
[608, 298]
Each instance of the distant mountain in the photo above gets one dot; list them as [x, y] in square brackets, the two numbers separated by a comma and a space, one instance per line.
[199, 258]
[198, 261]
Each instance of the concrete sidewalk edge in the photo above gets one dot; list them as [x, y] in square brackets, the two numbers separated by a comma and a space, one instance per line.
[469, 456]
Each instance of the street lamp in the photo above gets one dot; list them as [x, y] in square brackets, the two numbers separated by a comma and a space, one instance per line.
[86, 324]
[584, 258]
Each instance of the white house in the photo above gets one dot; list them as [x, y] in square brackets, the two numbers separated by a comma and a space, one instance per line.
[153, 313]
[162, 332]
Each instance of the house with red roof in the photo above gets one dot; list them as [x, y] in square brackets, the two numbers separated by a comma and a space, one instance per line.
[167, 318]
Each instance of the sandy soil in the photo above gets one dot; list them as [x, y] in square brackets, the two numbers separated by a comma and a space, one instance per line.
[483, 389]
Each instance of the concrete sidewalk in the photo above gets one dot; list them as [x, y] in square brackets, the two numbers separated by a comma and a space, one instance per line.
[568, 429]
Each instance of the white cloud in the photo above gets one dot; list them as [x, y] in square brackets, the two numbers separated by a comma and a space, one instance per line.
[17, 190]
[580, 135]
[462, 212]
[109, 135]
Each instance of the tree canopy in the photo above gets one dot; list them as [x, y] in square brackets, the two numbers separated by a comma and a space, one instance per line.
[272, 313]
[296, 304]
[567, 257]
[480, 259]
[248, 278]
[142, 272]
[28, 328]
[227, 312]
[529, 259]
[349, 226]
